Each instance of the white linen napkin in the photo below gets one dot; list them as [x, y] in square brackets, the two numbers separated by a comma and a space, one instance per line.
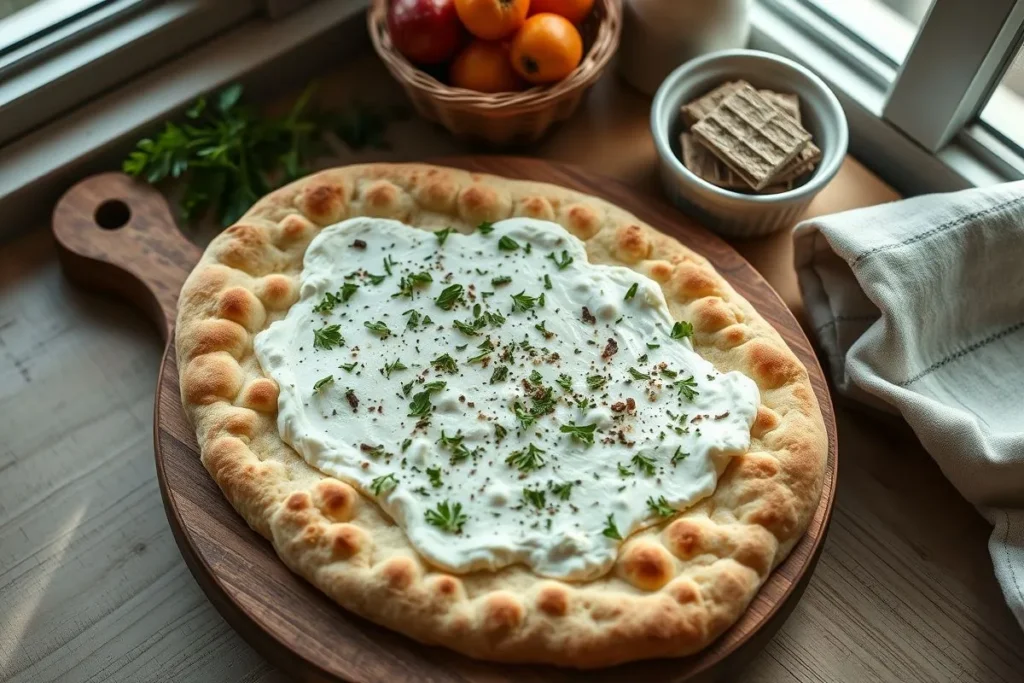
[919, 306]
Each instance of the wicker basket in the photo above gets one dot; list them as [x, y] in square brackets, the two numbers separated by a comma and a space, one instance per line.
[502, 118]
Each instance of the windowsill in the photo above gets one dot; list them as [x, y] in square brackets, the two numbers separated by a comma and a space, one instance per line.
[35, 169]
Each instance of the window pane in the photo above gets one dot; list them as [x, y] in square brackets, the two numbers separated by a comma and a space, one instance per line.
[1005, 109]
[22, 21]
[9, 7]
[887, 27]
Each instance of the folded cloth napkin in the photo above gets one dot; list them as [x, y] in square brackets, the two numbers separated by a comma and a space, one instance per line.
[919, 306]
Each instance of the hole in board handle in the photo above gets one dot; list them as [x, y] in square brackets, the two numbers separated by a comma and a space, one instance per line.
[112, 214]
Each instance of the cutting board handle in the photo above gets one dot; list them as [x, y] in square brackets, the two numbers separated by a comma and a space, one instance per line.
[117, 235]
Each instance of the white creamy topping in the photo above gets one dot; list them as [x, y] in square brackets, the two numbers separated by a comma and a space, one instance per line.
[502, 399]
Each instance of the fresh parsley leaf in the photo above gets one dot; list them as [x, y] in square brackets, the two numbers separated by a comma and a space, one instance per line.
[610, 530]
[564, 381]
[596, 382]
[563, 491]
[378, 328]
[468, 329]
[500, 374]
[660, 507]
[524, 417]
[393, 367]
[534, 497]
[685, 387]
[643, 464]
[485, 228]
[435, 476]
[327, 304]
[681, 330]
[442, 235]
[322, 382]
[522, 302]
[448, 517]
[506, 243]
[383, 484]
[562, 262]
[581, 433]
[328, 337]
[495, 319]
[347, 290]
[624, 471]
[445, 363]
[636, 374]
[527, 460]
[376, 279]
[449, 296]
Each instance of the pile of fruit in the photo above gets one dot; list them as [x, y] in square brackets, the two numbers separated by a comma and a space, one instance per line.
[491, 45]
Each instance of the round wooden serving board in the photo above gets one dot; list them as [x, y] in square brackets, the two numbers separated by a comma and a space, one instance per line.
[119, 236]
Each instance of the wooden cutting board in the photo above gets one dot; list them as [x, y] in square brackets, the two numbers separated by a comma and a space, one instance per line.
[118, 236]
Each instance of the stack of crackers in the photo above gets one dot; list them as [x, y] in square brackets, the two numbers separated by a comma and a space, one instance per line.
[741, 138]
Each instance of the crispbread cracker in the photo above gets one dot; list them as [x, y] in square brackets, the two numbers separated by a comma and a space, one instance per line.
[676, 586]
[750, 135]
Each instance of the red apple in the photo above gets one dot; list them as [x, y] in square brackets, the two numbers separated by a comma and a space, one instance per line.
[425, 31]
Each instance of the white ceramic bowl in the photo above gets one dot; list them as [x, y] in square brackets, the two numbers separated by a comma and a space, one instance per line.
[735, 214]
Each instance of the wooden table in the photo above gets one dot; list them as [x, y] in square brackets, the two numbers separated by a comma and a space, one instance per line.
[92, 587]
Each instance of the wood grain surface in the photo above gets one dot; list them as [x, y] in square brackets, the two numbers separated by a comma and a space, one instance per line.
[278, 613]
[93, 588]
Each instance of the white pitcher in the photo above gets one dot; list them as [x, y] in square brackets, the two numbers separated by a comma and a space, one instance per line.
[659, 35]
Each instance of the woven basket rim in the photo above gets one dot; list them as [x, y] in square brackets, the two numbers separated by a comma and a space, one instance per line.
[505, 104]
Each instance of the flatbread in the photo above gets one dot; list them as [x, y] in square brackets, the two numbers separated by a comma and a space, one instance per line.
[675, 587]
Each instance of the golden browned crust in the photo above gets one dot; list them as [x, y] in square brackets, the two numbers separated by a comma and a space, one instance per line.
[675, 587]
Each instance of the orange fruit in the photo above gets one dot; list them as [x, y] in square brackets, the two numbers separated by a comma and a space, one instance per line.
[547, 48]
[492, 19]
[573, 10]
[485, 67]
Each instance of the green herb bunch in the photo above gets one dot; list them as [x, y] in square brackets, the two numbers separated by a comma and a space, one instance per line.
[228, 154]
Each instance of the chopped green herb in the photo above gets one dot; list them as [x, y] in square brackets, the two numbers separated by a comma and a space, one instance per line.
[681, 330]
[376, 279]
[679, 456]
[445, 363]
[653, 346]
[348, 367]
[685, 387]
[495, 319]
[469, 329]
[636, 374]
[660, 507]
[479, 357]
[499, 432]
[435, 476]
[414, 319]
[434, 387]
[563, 491]
[536, 377]
[525, 418]
[522, 302]
[449, 296]
[596, 382]
[420, 405]
[581, 433]
[644, 464]
[347, 291]
[542, 328]
[322, 382]
[388, 262]
[506, 243]
[624, 471]
[562, 262]
[527, 460]
[405, 445]
[442, 235]
[406, 388]
[500, 374]
[447, 517]
[373, 451]
[534, 497]
[327, 304]
[547, 281]
[328, 337]
[383, 484]
[377, 328]
[610, 531]
[631, 292]
[671, 374]
[564, 381]
[485, 228]
[528, 248]
[499, 281]
[393, 367]
[540, 300]
[420, 279]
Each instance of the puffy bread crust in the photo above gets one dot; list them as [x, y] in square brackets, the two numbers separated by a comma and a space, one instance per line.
[676, 586]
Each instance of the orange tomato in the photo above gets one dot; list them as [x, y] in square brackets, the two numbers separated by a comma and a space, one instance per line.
[492, 19]
[485, 67]
[548, 48]
[573, 10]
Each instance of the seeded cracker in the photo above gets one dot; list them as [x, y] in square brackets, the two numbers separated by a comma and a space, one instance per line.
[751, 136]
